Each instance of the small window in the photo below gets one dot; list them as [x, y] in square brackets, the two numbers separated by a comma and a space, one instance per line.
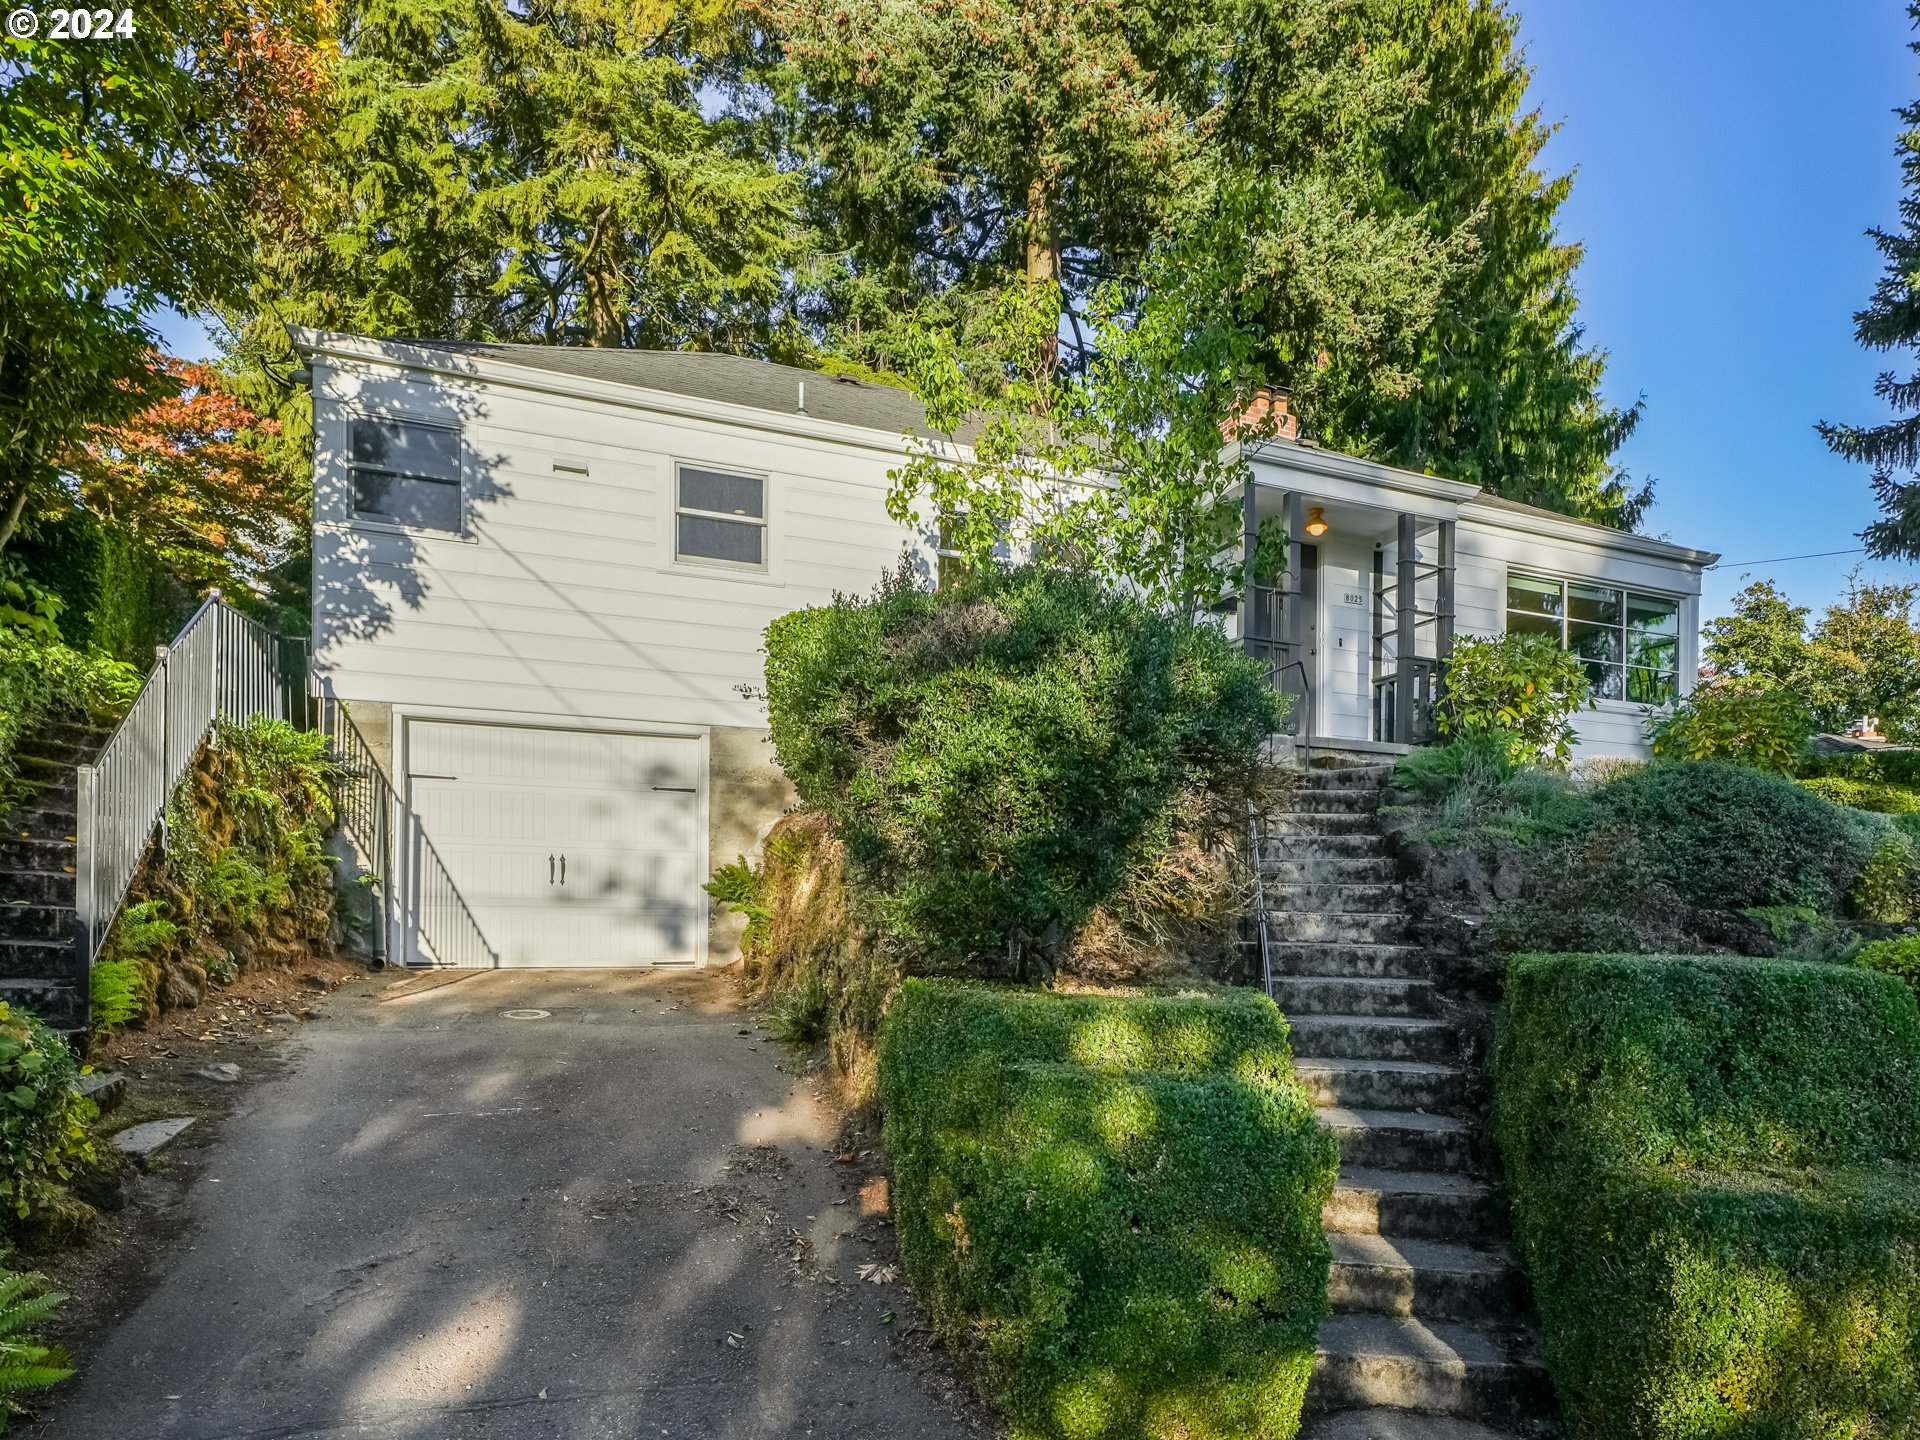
[951, 565]
[407, 473]
[720, 518]
[1630, 642]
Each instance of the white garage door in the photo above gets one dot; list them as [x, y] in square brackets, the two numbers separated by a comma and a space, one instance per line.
[570, 847]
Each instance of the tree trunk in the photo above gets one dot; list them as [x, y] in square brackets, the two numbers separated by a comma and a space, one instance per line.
[12, 520]
[603, 283]
[1043, 258]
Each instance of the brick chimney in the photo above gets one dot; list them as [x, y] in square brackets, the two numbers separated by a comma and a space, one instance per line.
[1265, 414]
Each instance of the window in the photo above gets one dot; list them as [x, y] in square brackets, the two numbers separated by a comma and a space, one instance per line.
[951, 564]
[720, 518]
[1629, 641]
[406, 473]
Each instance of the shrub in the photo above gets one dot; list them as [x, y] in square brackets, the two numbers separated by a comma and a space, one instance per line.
[43, 1123]
[1886, 889]
[1729, 837]
[1764, 726]
[1890, 767]
[1876, 795]
[1899, 958]
[1118, 1199]
[25, 1363]
[996, 754]
[1475, 787]
[39, 678]
[245, 869]
[1712, 1166]
[1522, 686]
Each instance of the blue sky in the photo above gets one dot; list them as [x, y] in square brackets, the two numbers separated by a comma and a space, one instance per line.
[1729, 155]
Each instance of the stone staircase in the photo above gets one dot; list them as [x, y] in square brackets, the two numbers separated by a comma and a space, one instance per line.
[38, 970]
[1430, 1309]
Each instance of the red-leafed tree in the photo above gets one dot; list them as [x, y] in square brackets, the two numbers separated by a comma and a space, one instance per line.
[194, 476]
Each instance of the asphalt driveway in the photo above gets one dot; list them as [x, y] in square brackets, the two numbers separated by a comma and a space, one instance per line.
[528, 1205]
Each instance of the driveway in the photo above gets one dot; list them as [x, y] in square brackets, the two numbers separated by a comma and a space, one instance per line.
[528, 1204]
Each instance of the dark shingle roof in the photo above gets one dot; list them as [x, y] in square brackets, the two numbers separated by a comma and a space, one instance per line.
[733, 379]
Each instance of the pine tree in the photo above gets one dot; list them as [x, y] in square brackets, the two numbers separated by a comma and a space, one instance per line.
[542, 171]
[1892, 320]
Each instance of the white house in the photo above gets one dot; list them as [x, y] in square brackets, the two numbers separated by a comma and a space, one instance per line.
[541, 578]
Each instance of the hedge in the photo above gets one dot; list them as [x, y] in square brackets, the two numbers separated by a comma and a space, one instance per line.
[1120, 1197]
[1715, 1168]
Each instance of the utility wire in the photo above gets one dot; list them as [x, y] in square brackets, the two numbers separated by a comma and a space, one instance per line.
[1783, 559]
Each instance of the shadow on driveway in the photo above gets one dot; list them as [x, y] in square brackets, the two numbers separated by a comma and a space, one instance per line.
[616, 1218]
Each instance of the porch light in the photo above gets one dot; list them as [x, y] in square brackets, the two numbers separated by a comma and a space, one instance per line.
[1316, 522]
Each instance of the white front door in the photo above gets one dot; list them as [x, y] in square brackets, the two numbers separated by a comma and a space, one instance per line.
[569, 847]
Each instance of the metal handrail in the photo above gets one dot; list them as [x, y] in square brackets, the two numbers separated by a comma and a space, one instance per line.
[222, 665]
[1260, 911]
[367, 802]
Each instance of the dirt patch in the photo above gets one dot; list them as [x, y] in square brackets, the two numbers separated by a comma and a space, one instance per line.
[143, 1217]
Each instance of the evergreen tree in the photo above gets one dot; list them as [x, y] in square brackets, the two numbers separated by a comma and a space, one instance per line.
[1890, 321]
[540, 171]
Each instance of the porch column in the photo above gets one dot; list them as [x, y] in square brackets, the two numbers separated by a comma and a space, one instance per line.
[1406, 605]
[1296, 636]
[1250, 627]
[1443, 634]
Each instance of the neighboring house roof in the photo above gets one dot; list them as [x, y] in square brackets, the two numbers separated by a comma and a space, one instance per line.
[1830, 744]
[708, 375]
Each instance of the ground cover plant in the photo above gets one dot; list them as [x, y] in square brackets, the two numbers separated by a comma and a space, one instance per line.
[1715, 1169]
[244, 874]
[997, 754]
[1115, 1200]
[26, 1364]
[1524, 689]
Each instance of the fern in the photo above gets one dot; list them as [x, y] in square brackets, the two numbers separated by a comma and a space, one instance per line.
[25, 1363]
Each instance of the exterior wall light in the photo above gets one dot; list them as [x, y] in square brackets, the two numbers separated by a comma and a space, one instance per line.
[1316, 522]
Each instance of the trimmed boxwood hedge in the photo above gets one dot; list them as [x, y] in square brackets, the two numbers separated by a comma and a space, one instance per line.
[1119, 1196]
[1715, 1168]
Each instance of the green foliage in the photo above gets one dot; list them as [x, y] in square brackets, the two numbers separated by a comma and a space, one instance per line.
[43, 1123]
[1474, 788]
[245, 869]
[1875, 795]
[1119, 1199]
[1891, 321]
[1899, 958]
[1714, 1183]
[25, 1363]
[738, 888]
[117, 598]
[40, 678]
[996, 754]
[1729, 837]
[1888, 890]
[1522, 686]
[1760, 725]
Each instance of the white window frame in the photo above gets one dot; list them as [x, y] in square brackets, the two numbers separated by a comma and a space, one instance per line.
[764, 520]
[1627, 595]
[373, 520]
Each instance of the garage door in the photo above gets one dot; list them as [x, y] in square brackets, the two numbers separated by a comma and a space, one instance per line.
[570, 847]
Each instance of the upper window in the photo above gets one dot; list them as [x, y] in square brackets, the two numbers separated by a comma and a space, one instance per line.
[1629, 641]
[407, 473]
[720, 518]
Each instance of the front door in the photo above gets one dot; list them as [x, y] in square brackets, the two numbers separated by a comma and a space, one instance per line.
[569, 847]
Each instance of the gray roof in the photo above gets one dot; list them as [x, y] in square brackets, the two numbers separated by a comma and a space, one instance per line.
[706, 375]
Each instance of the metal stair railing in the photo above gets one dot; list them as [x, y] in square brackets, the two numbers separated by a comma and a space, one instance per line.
[222, 665]
[1256, 855]
[368, 805]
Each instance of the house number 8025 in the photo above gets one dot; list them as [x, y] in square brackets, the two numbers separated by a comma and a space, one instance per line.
[89, 24]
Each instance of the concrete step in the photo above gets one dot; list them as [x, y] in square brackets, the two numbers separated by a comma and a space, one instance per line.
[23, 920]
[53, 1001]
[1345, 800]
[39, 887]
[17, 853]
[1306, 896]
[35, 769]
[1373, 1424]
[1422, 1204]
[1364, 845]
[1434, 1279]
[1292, 826]
[1373, 1037]
[57, 751]
[41, 820]
[1400, 1139]
[82, 734]
[1344, 995]
[1341, 777]
[36, 959]
[1334, 959]
[1336, 927]
[1442, 1367]
[1329, 870]
[1381, 1084]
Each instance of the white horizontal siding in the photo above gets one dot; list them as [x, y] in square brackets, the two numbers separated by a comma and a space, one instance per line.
[564, 597]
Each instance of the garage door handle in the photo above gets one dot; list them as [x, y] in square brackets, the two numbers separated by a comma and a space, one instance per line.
[563, 869]
[679, 789]
[416, 775]
[549, 869]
